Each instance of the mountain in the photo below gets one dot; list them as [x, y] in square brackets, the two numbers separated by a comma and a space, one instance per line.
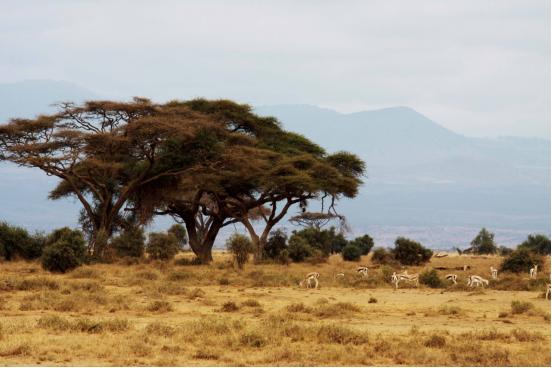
[423, 181]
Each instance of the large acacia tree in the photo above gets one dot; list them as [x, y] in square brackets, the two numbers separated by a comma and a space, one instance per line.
[104, 152]
[261, 180]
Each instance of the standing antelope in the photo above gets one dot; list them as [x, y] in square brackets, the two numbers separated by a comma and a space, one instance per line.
[363, 271]
[309, 279]
[404, 277]
[547, 291]
[475, 280]
[533, 271]
[494, 273]
[451, 277]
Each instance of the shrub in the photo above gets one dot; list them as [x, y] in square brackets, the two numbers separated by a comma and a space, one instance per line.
[17, 242]
[65, 250]
[519, 307]
[275, 245]
[372, 300]
[283, 257]
[521, 260]
[299, 249]
[129, 243]
[180, 234]
[338, 243]
[240, 246]
[383, 256]
[364, 243]
[410, 252]
[229, 307]
[537, 243]
[484, 243]
[159, 306]
[326, 241]
[431, 279]
[162, 246]
[435, 341]
[351, 252]
[505, 251]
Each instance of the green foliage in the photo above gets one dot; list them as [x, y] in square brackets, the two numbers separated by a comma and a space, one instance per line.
[484, 243]
[17, 242]
[275, 245]
[299, 248]
[521, 260]
[364, 243]
[325, 241]
[130, 242]
[179, 231]
[383, 256]
[410, 252]
[162, 246]
[505, 251]
[65, 250]
[431, 279]
[240, 246]
[351, 252]
[537, 243]
[338, 243]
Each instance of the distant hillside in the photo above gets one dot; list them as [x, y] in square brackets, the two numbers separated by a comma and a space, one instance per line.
[423, 181]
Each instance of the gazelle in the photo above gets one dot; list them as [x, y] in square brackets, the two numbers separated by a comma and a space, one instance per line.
[547, 291]
[475, 280]
[363, 271]
[533, 271]
[494, 273]
[396, 278]
[311, 278]
[451, 277]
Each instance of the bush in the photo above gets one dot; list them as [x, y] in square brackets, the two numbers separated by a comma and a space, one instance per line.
[338, 243]
[240, 246]
[519, 307]
[364, 243]
[537, 243]
[299, 249]
[129, 243]
[383, 256]
[326, 241]
[162, 246]
[484, 243]
[65, 250]
[351, 252]
[521, 260]
[275, 245]
[504, 251]
[431, 279]
[17, 242]
[410, 252]
[180, 234]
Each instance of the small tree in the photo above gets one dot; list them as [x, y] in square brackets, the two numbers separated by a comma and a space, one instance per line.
[277, 242]
[130, 242]
[299, 249]
[538, 243]
[65, 250]
[383, 256]
[162, 246]
[484, 243]
[241, 247]
[410, 252]
[505, 251]
[180, 233]
[431, 279]
[351, 252]
[17, 242]
[364, 243]
[521, 260]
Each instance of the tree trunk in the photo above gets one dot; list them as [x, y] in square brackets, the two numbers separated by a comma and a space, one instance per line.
[202, 245]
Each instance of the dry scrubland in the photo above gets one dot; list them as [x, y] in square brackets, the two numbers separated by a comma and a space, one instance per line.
[173, 314]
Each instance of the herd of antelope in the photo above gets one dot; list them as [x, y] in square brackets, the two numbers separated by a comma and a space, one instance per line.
[311, 279]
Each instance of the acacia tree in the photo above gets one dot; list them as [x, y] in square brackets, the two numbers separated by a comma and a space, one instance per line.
[105, 152]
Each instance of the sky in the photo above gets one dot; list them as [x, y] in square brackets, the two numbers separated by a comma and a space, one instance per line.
[480, 68]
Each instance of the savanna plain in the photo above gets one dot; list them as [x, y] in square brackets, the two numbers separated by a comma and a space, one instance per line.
[175, 313]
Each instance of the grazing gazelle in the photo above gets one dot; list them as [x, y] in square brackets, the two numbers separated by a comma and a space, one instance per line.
[451, 277]
[494, 273]
[475, 280]
[311, 278]
[533, 271]
[396, 278]
[363, 271]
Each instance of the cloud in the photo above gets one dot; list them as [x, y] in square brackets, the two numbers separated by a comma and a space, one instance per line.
[480, 68]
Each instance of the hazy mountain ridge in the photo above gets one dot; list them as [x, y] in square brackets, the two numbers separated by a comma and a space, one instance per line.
[423, 180]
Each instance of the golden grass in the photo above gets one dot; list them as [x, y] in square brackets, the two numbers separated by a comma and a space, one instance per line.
[183, 314]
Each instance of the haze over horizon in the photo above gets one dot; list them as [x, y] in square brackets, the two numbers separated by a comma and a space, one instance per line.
[479, 68]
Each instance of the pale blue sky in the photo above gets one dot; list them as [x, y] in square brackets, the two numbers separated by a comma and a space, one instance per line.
[481, 68]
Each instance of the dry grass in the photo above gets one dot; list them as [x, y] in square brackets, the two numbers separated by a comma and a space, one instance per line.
[183, 314]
